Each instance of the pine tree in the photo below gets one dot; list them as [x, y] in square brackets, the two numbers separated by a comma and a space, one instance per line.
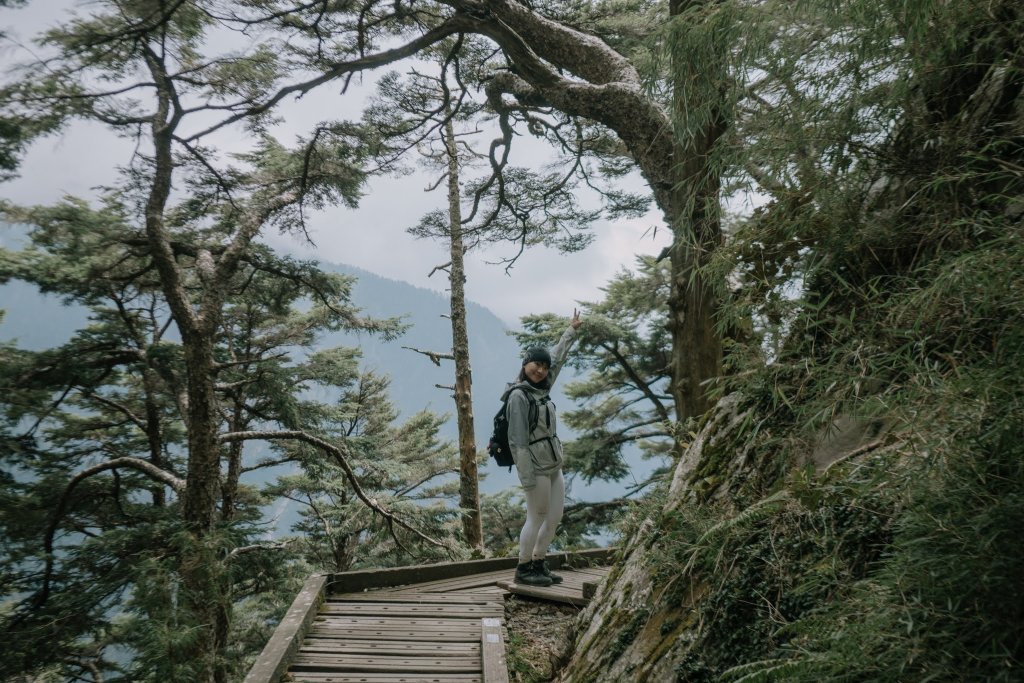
[101, 447]
[438, 116]
[161, 262]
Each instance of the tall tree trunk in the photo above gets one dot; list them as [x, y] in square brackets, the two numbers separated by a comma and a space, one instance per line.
[696, 227]
[203, 479]
[229, 490]
[469, 487]
[199, 566]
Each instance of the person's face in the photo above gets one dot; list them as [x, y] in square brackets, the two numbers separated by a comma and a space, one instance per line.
[535, 371]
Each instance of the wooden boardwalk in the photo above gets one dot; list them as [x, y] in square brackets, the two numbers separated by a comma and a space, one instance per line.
[428, 624]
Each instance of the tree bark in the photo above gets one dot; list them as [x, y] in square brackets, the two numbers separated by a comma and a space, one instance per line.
[154, 430]
[199, 567]
[469, 487]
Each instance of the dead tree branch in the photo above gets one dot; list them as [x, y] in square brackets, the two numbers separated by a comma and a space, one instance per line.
[435, 356]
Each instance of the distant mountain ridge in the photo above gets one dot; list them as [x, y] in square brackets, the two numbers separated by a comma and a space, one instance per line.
[33, 320]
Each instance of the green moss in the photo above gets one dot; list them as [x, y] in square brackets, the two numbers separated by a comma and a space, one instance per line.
[628, 633]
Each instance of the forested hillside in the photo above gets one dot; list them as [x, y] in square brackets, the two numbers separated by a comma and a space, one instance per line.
[34, 321]
[823, 367]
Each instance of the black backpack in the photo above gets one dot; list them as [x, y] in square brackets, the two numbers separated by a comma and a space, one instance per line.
[498, 445]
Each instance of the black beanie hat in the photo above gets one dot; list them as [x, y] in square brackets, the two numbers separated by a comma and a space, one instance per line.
[538, 354]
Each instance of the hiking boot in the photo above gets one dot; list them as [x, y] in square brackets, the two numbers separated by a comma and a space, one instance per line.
[541, 567]
[527, 575]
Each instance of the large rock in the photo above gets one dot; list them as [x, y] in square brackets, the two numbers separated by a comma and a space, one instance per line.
[631, 632]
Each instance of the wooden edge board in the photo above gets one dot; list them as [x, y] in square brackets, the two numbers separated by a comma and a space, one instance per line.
[399, 576]
[553, 594]
[346, 635]
[439, 611]
[455, 584]
[492, 651]
[456, 598]
[273, 661]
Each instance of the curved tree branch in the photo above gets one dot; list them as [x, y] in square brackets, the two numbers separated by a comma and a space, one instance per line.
[341, 458]
[643, 386]
[450, 27]
[143, 466]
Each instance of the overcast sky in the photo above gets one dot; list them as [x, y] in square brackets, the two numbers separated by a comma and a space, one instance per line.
[371, 237]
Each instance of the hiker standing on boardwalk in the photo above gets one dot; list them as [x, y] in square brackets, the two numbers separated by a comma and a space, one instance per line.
[538, 454]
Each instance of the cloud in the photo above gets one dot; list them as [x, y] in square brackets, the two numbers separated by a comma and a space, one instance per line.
[373, 237]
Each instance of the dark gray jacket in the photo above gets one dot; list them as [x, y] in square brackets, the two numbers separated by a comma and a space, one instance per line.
[538, 451]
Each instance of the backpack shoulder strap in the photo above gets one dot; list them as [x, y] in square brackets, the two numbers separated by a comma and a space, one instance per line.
[534, 414]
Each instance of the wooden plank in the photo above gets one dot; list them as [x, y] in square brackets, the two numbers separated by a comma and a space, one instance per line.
[394, 633]
[396, 621]
[491, 597]
[381, 664]
[409, 648]
[492, 651]
[490, 590]
[407, 609]
[284, 642]
[342, 677]
[400, 576]
[349, 582]
[458, 583]
[397, 634]
[574, 577]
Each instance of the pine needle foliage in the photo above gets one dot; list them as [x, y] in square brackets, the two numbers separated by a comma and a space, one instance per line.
[92, 567]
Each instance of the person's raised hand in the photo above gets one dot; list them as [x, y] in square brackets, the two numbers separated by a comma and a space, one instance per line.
[576, 320]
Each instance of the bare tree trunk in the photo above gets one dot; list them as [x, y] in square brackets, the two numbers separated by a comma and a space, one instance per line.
[469, 488]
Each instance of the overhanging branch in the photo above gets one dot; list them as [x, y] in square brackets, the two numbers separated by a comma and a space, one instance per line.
[341, 458]
[450, 27]
[143, 466]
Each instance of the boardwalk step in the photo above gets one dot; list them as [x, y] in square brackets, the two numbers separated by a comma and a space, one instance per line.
[385, 664]
[385, 596]
[560, 593]
[437, 635]
[342, 677]
[406, 609]
[441, 631]
[408, 648]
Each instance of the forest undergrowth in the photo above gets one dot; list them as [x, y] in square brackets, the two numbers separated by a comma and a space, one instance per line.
[897, 557]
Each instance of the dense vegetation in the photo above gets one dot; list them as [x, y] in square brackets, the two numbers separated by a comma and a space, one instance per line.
[833, 375]
[849, 510]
